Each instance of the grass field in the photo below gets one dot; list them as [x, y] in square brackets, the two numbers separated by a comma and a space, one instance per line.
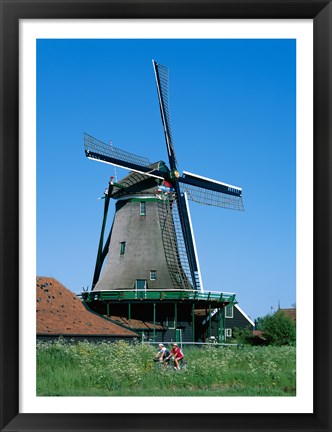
[121, 369]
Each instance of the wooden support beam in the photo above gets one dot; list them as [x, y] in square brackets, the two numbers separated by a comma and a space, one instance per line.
[193, 322]
[154, 321]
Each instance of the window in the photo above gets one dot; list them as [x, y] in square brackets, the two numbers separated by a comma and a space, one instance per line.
[140, 284]
[122, 248]
[153, 275]
[228, 333]
[229, 311]
[178, 277]
[142, 208]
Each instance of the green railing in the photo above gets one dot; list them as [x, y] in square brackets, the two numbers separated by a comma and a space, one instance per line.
[158, 295]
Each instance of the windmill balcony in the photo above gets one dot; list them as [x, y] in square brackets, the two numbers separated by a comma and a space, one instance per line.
[151, 295]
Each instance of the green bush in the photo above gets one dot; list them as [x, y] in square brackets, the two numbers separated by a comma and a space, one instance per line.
[242, 335]
[278, 329]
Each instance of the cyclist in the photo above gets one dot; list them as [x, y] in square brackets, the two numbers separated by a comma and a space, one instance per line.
[177, 355]
[162, 353]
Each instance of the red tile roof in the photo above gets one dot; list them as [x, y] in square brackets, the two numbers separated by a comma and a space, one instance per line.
[291, 313]
[136, 324]
[257, 333]
[61, 312]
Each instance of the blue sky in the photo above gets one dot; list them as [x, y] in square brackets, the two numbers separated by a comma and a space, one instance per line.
[233, 119]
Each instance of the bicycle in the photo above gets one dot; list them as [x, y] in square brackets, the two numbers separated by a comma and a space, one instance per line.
[161, 363]
[183, 365]
[170, 365]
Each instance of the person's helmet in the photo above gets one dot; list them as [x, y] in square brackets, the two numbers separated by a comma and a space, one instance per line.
[161, 345]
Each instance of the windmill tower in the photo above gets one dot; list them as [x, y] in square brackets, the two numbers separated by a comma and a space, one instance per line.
[151, 245]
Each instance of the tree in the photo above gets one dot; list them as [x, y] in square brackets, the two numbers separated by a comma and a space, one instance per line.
[242, 335]
[278, 329]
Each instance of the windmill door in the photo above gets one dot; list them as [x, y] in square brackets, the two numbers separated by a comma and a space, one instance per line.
[140, 284]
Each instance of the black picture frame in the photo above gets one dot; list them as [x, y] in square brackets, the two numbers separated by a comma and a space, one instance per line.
[11, 12]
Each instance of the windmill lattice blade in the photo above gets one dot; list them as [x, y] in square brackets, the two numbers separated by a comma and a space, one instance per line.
[210, 192]
[173, 243]
[218, 199]
[161, 73]
[182, 206]
[92, 144]
[100, 151]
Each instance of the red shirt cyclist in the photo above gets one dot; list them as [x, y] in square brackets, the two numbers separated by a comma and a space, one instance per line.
[177, 355]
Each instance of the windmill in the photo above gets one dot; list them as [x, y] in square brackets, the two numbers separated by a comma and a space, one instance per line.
[151, 244]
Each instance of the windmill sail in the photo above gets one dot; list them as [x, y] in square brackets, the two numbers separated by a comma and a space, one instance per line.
[161, 73]
[189, 241]
[211, 192]
[102, 152]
